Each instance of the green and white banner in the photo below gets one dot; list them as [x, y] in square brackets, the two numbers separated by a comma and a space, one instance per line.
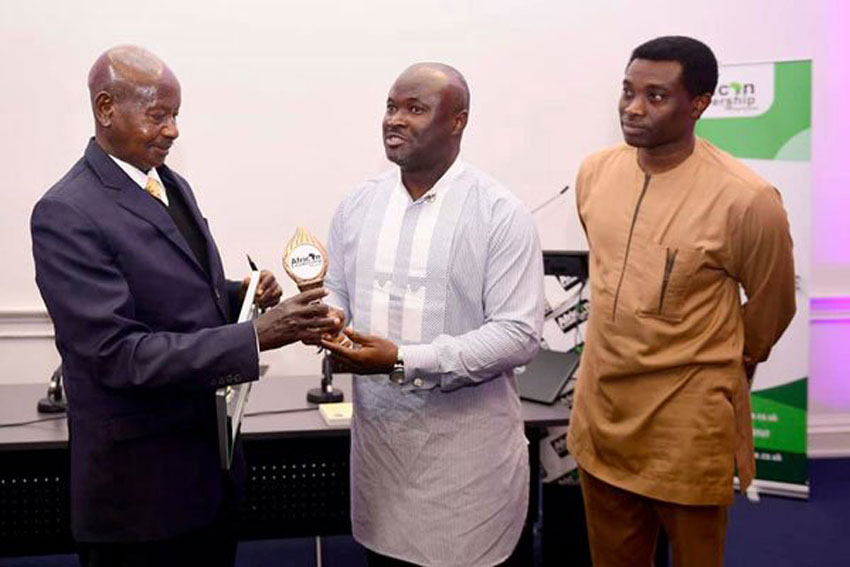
[761, 113]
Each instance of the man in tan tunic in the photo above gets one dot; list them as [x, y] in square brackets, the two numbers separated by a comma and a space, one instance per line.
[675, 227]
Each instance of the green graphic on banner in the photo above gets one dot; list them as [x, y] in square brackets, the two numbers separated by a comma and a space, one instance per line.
[779, 431]
[782, 132]
[781, 466]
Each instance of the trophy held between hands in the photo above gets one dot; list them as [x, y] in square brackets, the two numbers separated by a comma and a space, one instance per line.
[306, 262]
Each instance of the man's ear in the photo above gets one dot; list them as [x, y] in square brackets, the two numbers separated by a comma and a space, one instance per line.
[104, 108]
[461, 119]
[699, 104]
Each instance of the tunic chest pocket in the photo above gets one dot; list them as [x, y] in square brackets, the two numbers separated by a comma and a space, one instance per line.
[667, 273]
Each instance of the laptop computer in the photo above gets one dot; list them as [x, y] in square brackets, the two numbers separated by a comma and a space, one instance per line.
[546, 376]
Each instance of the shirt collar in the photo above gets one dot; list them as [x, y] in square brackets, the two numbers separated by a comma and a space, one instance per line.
[442, 184]
[136, 174]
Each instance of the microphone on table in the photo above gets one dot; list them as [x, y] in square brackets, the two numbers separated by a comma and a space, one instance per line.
[325, 393]
[55, 401]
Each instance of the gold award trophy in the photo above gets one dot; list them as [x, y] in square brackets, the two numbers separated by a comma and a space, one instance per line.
[306, 262]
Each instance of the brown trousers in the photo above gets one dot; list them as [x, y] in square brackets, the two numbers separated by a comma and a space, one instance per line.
[623, 528]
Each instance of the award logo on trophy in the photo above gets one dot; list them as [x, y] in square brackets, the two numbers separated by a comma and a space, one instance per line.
[306, 262]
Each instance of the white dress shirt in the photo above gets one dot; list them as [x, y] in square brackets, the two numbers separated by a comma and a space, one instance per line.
[140, 177]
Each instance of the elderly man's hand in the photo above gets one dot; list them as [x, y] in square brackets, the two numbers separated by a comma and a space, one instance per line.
[367, 355]
[301, 317]
[268, 290]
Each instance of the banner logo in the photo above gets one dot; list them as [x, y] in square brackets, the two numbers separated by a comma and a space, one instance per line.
[742, 91]
[736, 96]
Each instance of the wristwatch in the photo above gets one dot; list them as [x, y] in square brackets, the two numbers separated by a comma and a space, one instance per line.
[397, 374]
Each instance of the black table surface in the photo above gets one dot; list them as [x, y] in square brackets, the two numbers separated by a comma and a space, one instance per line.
[277, 407]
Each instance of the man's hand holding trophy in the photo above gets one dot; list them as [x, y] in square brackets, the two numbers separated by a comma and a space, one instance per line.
[302, 317]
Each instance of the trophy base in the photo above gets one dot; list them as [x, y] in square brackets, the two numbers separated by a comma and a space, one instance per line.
[322, 396]
[310, 285]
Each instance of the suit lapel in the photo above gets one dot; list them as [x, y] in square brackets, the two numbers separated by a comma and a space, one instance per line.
[216, 271]
[139, 203]
[212, 253]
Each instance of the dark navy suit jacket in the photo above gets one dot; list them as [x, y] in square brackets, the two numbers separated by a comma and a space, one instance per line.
[145, 339]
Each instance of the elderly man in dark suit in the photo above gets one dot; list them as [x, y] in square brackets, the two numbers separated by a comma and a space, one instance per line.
[133, 281]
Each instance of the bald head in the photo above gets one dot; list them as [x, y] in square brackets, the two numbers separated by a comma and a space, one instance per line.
[127, 70]
[449, 80]
[135, 99]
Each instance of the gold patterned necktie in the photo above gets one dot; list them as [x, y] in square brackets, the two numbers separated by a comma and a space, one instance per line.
[154, 188]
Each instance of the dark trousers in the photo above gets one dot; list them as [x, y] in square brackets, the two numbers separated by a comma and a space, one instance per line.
[213, 545]
[377, 560]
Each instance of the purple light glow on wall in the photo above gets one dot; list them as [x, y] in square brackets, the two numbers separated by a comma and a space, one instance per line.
[829, 387]
[830, 361]
[831, 140]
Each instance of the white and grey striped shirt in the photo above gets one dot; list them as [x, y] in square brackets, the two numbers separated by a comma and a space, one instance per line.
[440, 465]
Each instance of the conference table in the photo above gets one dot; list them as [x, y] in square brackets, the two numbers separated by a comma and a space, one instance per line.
[297, 478]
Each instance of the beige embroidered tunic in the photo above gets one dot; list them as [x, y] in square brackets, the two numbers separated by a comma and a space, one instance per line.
[655, 407]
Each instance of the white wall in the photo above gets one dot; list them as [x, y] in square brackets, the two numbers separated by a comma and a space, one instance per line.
[282, 104]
